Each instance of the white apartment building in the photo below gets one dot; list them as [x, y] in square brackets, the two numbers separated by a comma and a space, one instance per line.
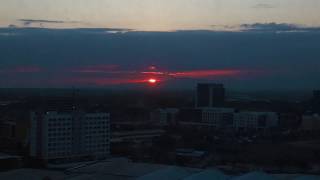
[55, 135]
[255, 120]
[218, 117]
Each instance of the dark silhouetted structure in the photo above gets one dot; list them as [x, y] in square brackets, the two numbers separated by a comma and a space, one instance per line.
[316, 101]
[316, 95]
[210, 95]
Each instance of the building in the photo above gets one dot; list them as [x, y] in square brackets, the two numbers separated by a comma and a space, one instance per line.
[289, 120]
[69, 135]
[166, 116]
[316, 95]
[247, 120]
[8, 129]
[215, 118]
[310, 122]
[210, 95]
[316, 101]
[218, 117]
[190, 117]
[228, 119]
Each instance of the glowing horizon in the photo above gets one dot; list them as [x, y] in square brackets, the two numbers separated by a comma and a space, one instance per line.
[104, 75]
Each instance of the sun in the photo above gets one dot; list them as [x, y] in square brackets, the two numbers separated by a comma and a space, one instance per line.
[152, 81]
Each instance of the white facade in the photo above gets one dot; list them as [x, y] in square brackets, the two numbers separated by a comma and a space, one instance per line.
[229, 119]
[255, 120]
[63, 135]
[218, 117]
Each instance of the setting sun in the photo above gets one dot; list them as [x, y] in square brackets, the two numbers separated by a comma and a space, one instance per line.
[152, 81]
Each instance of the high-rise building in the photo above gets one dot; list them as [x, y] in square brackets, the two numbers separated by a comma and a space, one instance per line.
[69, 135]
[210, 95]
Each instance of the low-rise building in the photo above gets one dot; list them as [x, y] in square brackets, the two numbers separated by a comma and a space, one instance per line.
[218, 117]
[165, 117]
[228, 119]
[310, 122]
[247, 120]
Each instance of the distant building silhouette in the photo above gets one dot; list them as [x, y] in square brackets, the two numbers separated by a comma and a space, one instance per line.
[228, 119]
[165, 117]
[310, 122]
[316, 101]
[316, 95]
[60, 104]
[210, 95]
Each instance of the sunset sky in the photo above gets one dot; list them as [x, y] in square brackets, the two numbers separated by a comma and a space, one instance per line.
[159, 15]
[249, 44]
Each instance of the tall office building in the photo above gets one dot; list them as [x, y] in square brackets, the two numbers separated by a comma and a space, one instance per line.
[210, 95]
[69, 135]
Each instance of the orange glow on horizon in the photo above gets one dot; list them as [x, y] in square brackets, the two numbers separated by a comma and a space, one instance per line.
[152, 81]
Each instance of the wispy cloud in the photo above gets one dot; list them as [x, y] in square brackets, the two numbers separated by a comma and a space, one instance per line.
[263, 6]
[27, 22]
[277, 27]
[266, 27]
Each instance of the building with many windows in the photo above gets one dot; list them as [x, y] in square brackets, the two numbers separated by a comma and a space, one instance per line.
[229, 119]
[248, 120]
[218, 117]
[69, 135]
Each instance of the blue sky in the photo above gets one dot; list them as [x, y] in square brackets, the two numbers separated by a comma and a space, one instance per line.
[158, 15]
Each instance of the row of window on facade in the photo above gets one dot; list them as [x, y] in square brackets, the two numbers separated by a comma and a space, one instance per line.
[70, 118]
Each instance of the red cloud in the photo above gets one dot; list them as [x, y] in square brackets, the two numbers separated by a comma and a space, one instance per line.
[206, 73]
[136, 77]
[105, 81]
[102, 75]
